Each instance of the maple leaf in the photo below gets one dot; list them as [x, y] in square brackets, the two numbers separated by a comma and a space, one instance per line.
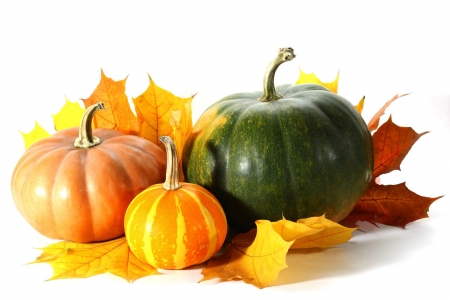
[359, 107]
[259, 255]
[159, 112]
[375, 121]
[391, 144]
[36, 134]
[117, 113]
[312, 78]
[332, 86]
[390, 204]
[332, 234]
[77, 260]
[256, 257]
[69, 116]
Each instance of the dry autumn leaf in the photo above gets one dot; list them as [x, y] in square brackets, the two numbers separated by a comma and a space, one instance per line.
[359, 107]
[118, 114]
[312, 78]
[36, 134]
[255, 257]
[77, 260]
[332, 234]
[393, 205]
[159, 112]
[375, 121]
[391, 144]
[390, 204]
[332, 86]
[69, 116]
[259, 255]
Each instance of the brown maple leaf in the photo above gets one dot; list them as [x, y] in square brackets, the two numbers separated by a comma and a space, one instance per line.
[390, 204]
[375, 121]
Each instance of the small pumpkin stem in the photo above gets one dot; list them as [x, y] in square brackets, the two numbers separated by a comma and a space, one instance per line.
[85, 138]
[284, 54]
[172, 176]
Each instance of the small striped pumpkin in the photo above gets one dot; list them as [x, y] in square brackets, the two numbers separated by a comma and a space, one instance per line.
[174, 225]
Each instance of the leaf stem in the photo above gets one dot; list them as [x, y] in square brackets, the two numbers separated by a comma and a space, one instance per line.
[172, 174]
[86, 139]
[284, 54]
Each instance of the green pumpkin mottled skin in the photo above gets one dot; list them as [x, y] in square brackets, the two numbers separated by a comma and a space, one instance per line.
[306, 154]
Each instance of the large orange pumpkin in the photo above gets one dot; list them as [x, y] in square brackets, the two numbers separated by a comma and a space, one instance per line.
[174, 225]
[80, 191]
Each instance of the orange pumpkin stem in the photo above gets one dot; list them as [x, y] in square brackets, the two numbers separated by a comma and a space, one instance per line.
[270, 94]
[86, 139]
[172, 176]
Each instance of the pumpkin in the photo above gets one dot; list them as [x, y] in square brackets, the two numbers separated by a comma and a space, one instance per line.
[294, 151]
[176, 224]
[76, 184]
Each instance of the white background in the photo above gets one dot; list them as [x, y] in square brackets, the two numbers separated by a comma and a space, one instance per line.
[53, 49]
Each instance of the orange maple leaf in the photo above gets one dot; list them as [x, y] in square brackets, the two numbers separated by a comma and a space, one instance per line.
[159, 112]
[118, 114]
[390, 204]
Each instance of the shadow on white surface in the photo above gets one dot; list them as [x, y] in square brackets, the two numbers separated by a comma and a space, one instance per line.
[369, 250]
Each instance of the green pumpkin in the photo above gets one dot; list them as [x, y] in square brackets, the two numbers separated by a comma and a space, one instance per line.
[297, 151]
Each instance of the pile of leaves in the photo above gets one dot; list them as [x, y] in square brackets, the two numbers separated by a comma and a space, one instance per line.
[257, 256]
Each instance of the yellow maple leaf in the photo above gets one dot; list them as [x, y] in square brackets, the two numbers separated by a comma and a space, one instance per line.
[312, 78]
[159, 111]
[359, 107]
[117, 113]
[259, 255]
[255, 257]
[291, 231]
[332, 86]
[77, 260]
[332, 234]
[69, 116]
[36, 134]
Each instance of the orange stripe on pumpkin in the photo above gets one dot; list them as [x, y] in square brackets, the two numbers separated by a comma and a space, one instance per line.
[215, 210]
[197, 228]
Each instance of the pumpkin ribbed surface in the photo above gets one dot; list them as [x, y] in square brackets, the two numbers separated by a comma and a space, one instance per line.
[302, 151]
[81, 194]
[174, 229]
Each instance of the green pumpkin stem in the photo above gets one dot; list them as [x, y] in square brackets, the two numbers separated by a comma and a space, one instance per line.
[172, 176]
[85, 138]
[284, 54]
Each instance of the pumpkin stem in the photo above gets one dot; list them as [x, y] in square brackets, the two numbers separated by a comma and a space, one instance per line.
[85, 138]
[172, 176]
[284, 54]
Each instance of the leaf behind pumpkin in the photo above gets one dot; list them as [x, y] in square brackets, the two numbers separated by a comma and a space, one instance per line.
[159, 112]
[36, 134]
[117, 113]
[312, 78]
